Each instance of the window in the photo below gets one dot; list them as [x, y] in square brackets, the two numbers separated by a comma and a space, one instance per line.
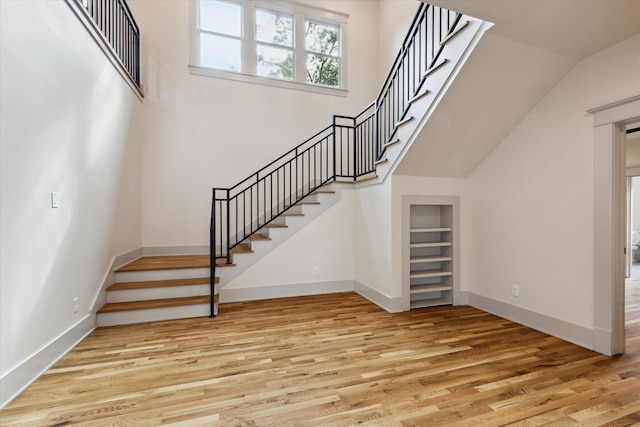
[323, 53]
[273, 42]
[220, 35]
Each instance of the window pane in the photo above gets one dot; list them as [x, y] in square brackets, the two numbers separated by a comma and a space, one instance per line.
[221, 17]
[274, 28]
[323, 70]
[323, 38]
[220, 52]
[274, 62]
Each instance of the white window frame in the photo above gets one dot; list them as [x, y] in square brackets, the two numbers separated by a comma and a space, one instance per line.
[301, 13]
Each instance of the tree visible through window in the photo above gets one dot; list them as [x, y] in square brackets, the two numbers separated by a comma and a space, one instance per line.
[276, 45]
[274, 49]
[323, 54]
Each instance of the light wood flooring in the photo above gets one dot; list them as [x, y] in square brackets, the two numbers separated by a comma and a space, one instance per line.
[335, 360]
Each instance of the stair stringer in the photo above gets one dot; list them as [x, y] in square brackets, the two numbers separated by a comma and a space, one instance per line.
[456, 51]
[242, 261]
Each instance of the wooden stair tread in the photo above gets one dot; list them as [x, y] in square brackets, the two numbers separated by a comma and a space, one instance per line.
[160, 283]
[242, 248]
[167, 262]
[378, 162]
[156, 303]
[292, 214]
[255, 237]
[308, 203]
[403, 121]
[436, 66]
[419, 96]
[276, 226]
[323, 192]
[222, 262]
[390, 143]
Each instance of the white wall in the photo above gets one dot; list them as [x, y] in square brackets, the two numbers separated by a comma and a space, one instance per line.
[394, 18]
[373, 238]
[206, 132]
[69, 124]
[531, 201]
[327, 242]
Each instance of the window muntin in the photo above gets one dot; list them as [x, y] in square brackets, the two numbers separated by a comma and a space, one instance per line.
[249, 40]
[323, 53]
[221, 34]
[274, 44]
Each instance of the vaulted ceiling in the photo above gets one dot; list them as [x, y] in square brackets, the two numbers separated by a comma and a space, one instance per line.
[532, 45]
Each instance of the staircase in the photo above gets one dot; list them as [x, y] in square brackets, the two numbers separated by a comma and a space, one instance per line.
[260, 212]
[154, 288]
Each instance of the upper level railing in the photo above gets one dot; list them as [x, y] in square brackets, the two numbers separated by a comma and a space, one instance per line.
[346, 149]
[114, 21]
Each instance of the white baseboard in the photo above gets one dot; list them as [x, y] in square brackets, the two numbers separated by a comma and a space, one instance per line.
[18, 379]
[576, 334]
[283, 291]
[100, 298]
[392, 305]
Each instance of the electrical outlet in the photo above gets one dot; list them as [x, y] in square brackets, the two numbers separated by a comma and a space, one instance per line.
[316, 271]
[55, 199]
[75, 305]
[515, 290]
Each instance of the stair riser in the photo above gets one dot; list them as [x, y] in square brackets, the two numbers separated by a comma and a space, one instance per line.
[152, 315]
[158, 293]
[144, 276]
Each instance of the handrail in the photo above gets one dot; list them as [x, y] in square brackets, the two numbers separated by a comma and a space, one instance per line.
[347, 148]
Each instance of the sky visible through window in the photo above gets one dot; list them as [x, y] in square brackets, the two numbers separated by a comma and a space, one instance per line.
[222, 38]
[224, 48]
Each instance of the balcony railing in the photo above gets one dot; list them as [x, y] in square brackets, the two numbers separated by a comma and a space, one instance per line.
[114, 22]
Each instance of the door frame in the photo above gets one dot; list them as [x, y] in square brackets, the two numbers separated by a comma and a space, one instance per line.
[610, 222]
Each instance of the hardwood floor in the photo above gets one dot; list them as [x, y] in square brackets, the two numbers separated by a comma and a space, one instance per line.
[335, 360]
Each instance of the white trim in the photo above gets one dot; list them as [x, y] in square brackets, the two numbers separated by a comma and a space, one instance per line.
[405, 209]
[576, 334]
[109, 279]
[22, 376]
[633, 171]
[612, 106]
[390, 304]
[284, 291]
[265, 81]
[609, 222]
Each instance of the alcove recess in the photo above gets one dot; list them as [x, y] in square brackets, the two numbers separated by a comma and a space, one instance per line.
[431, 255]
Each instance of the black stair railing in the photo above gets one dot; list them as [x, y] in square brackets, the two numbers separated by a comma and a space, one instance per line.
[115, 22]
[346, 149]
[420, 51]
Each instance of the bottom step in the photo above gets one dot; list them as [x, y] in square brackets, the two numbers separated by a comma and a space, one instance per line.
[124, 313]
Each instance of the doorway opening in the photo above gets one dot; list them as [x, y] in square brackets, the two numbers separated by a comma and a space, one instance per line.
[611, 123]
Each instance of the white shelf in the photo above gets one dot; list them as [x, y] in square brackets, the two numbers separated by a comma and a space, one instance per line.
[435, 287]
[429, 273]
[431, 255]
[434, 258]
[429, 244]
[429, 303]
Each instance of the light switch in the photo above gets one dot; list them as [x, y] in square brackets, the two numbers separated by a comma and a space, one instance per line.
[55, 199]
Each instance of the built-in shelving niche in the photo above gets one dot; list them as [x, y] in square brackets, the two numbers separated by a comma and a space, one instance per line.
[431, 257]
